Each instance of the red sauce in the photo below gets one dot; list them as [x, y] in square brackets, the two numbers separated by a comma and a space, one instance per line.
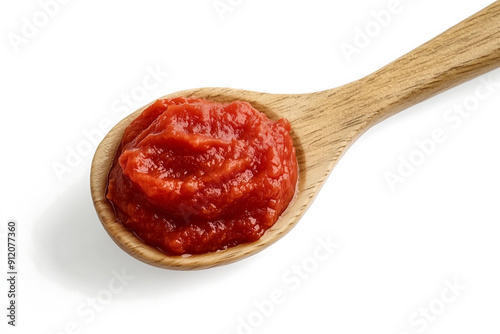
[193, 176]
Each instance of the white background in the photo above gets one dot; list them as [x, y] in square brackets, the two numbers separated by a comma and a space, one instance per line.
[398, 247]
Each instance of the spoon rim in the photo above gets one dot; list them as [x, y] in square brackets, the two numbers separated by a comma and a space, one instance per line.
[101, 165]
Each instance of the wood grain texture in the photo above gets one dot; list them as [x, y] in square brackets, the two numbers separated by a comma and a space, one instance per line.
[324, 125]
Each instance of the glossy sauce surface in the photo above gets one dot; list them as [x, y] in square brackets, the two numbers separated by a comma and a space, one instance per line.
[193, 176]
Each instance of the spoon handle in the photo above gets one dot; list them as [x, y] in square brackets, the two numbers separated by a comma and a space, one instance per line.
[469, 49]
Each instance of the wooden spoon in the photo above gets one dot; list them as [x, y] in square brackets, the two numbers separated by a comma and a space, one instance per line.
[324, 125]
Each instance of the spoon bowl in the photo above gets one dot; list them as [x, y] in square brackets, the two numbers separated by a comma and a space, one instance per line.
[324, 125]
[312, 172]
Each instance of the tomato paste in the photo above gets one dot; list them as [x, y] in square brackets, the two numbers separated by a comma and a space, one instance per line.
[194, 176]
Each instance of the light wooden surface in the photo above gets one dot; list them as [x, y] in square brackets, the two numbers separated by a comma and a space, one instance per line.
[324, 125]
